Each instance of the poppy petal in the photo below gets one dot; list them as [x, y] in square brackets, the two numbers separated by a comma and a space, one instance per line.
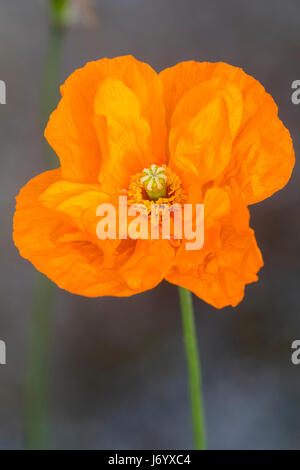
[203, 126]
[229, 260]
[71, 131]
[148, 264]
[56, 249]
[124, 135]
[262, 156]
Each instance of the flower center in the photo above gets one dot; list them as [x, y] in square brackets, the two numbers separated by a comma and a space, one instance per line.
[155, 182]
[156, 185]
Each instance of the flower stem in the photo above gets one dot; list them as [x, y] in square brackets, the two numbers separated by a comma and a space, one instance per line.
[36, 418]
[194, 371]
[36, 388]
[59, 13]
[51, 76]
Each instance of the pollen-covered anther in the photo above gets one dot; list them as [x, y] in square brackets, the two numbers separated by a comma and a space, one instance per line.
[154, 181]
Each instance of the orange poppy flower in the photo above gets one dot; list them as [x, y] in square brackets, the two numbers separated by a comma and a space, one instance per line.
[218, 134]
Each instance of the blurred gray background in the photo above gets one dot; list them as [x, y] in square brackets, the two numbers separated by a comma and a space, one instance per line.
[118, 374]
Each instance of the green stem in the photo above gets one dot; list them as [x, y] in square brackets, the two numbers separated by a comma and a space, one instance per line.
[50, 83]
[59, 13]
[194, 370]
[37, 385]
[37, 425]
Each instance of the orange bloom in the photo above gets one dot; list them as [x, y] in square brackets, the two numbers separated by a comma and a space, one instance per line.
[216, 130]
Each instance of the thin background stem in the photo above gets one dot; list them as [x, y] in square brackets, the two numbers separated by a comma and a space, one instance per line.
[194, 371]
[37, 381]
[37, 432]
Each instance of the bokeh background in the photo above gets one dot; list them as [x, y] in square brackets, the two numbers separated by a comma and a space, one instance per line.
[118, 373]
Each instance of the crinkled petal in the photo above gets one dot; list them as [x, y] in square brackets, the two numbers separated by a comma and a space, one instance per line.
[148, 264]
[203, 126]
[200, 146]
[77, 203]
[124, 135]
[262, 156]
[55, 229]
[58, 250]
[230, 258]
[71, 131]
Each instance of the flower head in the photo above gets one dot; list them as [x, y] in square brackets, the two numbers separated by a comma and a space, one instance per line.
[197, 133]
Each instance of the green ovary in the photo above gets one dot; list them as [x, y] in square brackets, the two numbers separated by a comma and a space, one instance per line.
[154, 181]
